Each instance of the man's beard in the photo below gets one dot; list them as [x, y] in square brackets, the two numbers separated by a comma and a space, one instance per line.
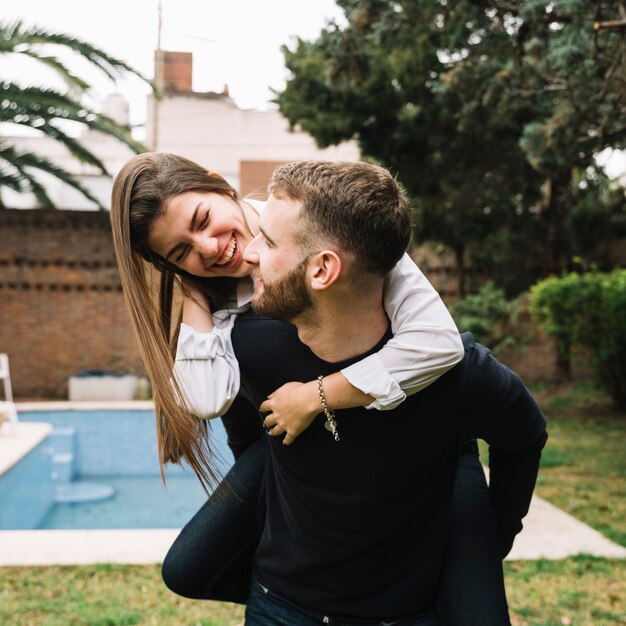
[286, 298]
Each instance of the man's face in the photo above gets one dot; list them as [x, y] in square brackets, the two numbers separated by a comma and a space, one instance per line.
[281, 290]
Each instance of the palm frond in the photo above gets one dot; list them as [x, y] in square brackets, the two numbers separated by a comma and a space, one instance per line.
[74, 146]
[22, 161]
[17, 35]
[21, 180]
[38, 108]
[37, 189]
[71, 80]
[107, 125]
[45, 109]
[11, 179]
[16, 100]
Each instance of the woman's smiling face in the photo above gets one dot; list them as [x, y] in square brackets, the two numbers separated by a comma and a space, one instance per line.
[204, 234]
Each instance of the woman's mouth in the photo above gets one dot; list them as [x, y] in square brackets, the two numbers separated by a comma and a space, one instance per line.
[229, 253]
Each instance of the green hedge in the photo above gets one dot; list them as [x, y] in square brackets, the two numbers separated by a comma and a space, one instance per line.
[589, 310]
[491, 318]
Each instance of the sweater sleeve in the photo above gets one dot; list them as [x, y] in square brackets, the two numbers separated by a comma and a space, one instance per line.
[425, 345]
[498, 408]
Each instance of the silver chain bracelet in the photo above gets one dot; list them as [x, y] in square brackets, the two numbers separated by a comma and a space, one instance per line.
[331, 422]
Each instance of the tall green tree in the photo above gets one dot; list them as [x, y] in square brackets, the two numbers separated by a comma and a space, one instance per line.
[47, 109]
[490, 112]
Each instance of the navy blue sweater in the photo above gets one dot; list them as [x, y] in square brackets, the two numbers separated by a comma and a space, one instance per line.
[356, 528]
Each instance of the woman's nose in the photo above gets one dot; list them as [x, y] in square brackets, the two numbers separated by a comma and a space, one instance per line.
[206, 246]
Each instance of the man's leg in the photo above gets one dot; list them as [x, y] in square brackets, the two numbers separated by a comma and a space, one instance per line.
[472, 590]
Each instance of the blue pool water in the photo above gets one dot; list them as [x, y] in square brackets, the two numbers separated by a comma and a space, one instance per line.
[107, 451]
[137, 502]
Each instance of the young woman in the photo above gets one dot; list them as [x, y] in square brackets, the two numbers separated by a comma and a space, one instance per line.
[170, 215]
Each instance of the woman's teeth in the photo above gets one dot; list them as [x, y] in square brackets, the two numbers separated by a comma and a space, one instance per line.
[229, 253]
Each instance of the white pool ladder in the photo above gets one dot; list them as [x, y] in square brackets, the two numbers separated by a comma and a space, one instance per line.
[7, 406]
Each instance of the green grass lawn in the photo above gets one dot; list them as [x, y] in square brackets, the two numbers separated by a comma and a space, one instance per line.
[583, 472]
[581, 591]
[102, 595]
[583, 468]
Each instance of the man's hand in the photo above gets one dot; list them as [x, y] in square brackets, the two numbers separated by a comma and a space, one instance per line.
[291, 409]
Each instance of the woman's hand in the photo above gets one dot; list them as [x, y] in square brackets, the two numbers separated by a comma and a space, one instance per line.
[291, 409]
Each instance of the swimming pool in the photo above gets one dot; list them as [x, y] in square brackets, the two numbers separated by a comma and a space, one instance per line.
[108, 454]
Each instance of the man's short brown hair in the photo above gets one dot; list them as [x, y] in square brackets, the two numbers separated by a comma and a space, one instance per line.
[359, 207]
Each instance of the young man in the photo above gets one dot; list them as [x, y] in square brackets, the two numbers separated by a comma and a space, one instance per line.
[354, 512]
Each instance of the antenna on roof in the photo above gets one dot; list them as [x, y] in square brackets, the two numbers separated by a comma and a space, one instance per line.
[158, 79]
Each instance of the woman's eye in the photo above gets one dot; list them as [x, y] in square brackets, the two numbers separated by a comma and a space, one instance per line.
[182, 255]
[205, 220]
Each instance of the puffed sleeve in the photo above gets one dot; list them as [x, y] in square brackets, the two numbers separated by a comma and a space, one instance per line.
[206, 369]
[425, 345]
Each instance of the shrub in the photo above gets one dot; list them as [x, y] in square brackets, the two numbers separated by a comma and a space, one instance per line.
[589, 310]
[490, 317]
[554, 303]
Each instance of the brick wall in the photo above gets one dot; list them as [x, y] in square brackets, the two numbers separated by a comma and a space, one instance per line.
[254, 176]
[62, 309]
[61, 304]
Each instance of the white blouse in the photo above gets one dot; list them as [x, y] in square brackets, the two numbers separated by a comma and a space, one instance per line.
[425, 345]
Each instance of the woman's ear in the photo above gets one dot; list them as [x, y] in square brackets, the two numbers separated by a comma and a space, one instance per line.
[325, 268]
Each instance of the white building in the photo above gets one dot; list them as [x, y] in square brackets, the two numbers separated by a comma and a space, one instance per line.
[110, 151]
[244, 146]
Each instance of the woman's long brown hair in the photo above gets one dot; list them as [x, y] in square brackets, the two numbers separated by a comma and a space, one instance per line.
[140, 193]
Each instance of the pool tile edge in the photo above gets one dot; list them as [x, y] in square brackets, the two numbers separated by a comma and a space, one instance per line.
[84, 547]
[14, 446]
[66, 405]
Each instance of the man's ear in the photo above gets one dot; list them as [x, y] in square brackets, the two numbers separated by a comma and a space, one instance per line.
[325, 268]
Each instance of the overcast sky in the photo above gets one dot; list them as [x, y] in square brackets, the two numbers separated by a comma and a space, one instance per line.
[234, 42]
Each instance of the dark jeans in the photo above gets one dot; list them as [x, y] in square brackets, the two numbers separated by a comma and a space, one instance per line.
[265, 608]
[212, 556]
